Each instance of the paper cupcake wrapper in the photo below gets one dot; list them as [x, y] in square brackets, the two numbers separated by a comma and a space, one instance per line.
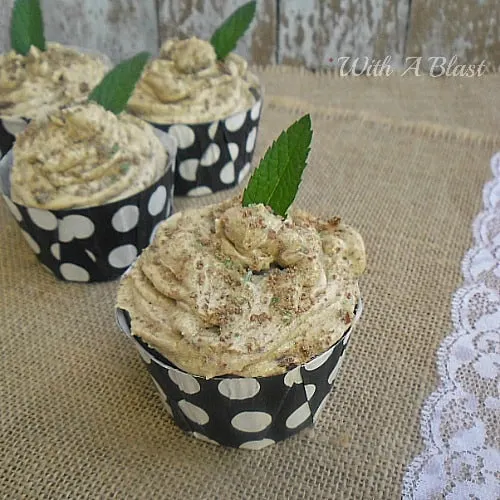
[96, 243]
[238, 412]
[10, 127]
[214, 156]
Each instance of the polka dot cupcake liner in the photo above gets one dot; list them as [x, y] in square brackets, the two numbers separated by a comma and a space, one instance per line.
[214, 156]
[238, 412]
[96, 243]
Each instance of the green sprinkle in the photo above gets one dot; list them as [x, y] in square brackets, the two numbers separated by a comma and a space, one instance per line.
[287, 317]
[228, 262]
[115, 149]
[275, 300]
[124, 168]
[248, 277]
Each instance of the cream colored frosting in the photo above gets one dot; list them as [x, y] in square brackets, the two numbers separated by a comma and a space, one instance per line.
[84, 156]
[33, 85]
[232, 290]
[187, 84]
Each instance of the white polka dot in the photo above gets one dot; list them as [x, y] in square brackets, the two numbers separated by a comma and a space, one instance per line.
[251, 140]
[14, 126]
[210, 156]
[122, 256]
[91, 255]
[183, 134]
[186, 383]
[43, 219]
[239, 388]
[202, 437]
[55, 250]
[244, 172]
[144, 355]
[346, 338]
[31, 242]
[255, 113]
[188, 169]
[157, 200]
[199, 191]
[318, 360]
[310, 390]
[334, 372]
[235, 122]
[13, 209]
[299, 416]
[75, 226]
[153, 233]
[257, 445]
[293, 377]
[72, 272]
[251, 421]
[212, 130]
[193, 412]
[227, 174]
[320, 407]
[125, 218]
[233, 150]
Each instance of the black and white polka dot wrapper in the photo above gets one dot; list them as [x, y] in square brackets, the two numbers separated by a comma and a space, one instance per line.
[9, 129]
[96, 243]
[214, 156]
[246, 413]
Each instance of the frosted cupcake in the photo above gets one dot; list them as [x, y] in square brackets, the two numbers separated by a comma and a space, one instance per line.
[88, 187]
[42, 81]
[243, 317]
[210, 104]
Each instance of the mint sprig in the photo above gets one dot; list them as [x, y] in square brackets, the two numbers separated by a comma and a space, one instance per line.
[276, 180]
[226, 37]
[26, 26]
[115, 89]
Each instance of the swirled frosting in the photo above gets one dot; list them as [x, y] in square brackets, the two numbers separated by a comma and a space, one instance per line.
[232, 290]
[84, 156]
[187, 84]
[32, 85]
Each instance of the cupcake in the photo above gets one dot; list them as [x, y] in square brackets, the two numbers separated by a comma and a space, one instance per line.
[34, 84]
[211, 103]
[88, 187]
[242, 316]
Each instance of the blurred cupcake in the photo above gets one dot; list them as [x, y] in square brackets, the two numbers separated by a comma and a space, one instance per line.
[243, 316]
[211, 106]
[34, 84]
[88, 187]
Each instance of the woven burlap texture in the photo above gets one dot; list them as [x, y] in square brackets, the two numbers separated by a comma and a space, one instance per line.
[80, 418]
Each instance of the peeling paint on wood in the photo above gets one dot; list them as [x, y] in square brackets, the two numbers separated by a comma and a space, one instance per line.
[119, 28]
[468, 29]
[202, 17]
[317, 32]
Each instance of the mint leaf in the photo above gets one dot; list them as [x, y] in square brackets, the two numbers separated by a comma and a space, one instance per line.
[226, 37]
[276, 180]
[26, 26]
[115, 89]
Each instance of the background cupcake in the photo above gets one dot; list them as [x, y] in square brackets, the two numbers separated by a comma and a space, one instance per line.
[205, 97]
[37, 77]
[242, 312]
[88, 184]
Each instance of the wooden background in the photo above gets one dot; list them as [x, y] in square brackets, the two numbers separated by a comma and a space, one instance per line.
[314, 33]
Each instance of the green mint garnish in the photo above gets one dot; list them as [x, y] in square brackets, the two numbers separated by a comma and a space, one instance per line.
[26, 26]
[226, 37]
[276, 180]
[124, 168]
[115, 89]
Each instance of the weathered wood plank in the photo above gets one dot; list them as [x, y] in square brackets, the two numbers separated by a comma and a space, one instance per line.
[317, 32]
[119, 28]
[467, 29]
[202, 17]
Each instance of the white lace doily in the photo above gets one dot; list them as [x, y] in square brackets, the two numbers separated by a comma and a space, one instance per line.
[461, 420]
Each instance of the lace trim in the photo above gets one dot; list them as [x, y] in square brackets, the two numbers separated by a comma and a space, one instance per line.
[461, 420]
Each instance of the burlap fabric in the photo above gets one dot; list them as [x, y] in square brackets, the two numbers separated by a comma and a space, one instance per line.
[79, 416]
